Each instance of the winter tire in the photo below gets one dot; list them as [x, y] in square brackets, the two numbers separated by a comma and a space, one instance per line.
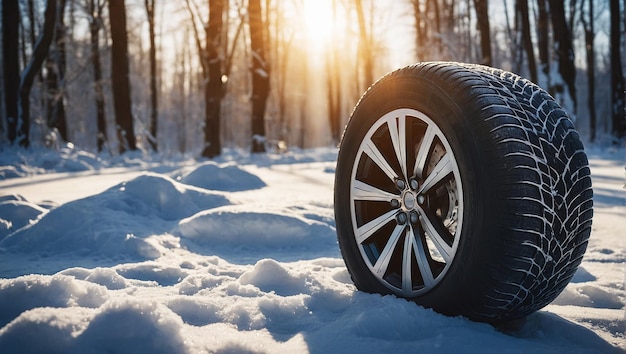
[463, 188]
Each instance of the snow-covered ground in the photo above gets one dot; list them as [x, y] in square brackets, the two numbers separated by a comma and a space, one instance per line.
[138, 255]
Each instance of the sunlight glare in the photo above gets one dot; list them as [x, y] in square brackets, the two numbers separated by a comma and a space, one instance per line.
[318, 21]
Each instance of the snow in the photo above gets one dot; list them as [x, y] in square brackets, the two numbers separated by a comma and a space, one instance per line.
[163, 254]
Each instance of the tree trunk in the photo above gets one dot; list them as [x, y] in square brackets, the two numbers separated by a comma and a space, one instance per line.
[543, 44]
[181, 84]
[56, 65]
[30, 9]
[564, 57]
[588, 27]
[119, 77]
[365, 48]
[527, 40]
[281, 52]
[34, 66]
[153, 77]
[213, 86]
[10, 61]
[260, 72]
[512, 34]
[617, 78]
[95, 8]
[51, 89]
[303, 103]
[482, 17]
[437, 36]
[420, 28]
[333, 82]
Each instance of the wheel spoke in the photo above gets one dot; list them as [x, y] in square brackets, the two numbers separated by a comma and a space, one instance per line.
[382, 263]
[366, 192]
[372, 151]
[407, 281]
[365, 231]
[422, 260]
[440, 243]
[441, 171]
[399, 226]
[422, 153]
[397, 131]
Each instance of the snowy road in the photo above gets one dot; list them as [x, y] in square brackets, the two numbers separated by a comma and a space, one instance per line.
[64, 187]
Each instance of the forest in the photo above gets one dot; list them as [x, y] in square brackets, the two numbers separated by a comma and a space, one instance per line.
[195, 77]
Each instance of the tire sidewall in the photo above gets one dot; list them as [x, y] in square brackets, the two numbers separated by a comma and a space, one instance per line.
[440, 102]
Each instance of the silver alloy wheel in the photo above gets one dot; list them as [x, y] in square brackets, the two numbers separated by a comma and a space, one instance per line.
[406, 200]
[462, 188]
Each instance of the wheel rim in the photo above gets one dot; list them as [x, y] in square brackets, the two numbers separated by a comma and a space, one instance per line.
[406, 202]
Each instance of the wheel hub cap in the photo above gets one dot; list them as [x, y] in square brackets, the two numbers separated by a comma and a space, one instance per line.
[409, 201]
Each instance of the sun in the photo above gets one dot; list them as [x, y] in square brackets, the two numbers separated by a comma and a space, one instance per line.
[319, 22]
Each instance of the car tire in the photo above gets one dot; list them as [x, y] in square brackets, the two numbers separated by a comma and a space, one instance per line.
[463, 188]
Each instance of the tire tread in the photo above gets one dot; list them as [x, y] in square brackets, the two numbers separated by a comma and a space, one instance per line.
[541, 183]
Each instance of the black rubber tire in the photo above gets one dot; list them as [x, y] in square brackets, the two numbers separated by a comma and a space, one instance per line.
[516, 209]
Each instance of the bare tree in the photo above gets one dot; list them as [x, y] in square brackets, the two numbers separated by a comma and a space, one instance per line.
[94, 16]
[482, 17]
[428, 29]
[513, 36]
[214, 87]
[617, 77]
[333, 85]
[281, 47]
[260, 72]
[421, 22]
[564, 57]
[55, 80]
[305, 79]
[543, 45]
[588, 27]
[180, 84]
[154, 102]
[212, 59]
[10, 61]
[522, 8]
[119, 77]
[32, 69]
[365, 47]
[30, 9]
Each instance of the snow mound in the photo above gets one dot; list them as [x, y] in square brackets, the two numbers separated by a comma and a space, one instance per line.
[191, 285]
[582, 276]
[67, 159]
[588, 296]
[229, 178]
[106, 277]
[256, 234]
[293, 156]
[194, 311]
[27, 292]
[166, 198]
[155, 273]
[270, 276]
[18, 163]
[122, 326]
[16, 213]
[7, 172]
[133, 326]
[115, 223]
